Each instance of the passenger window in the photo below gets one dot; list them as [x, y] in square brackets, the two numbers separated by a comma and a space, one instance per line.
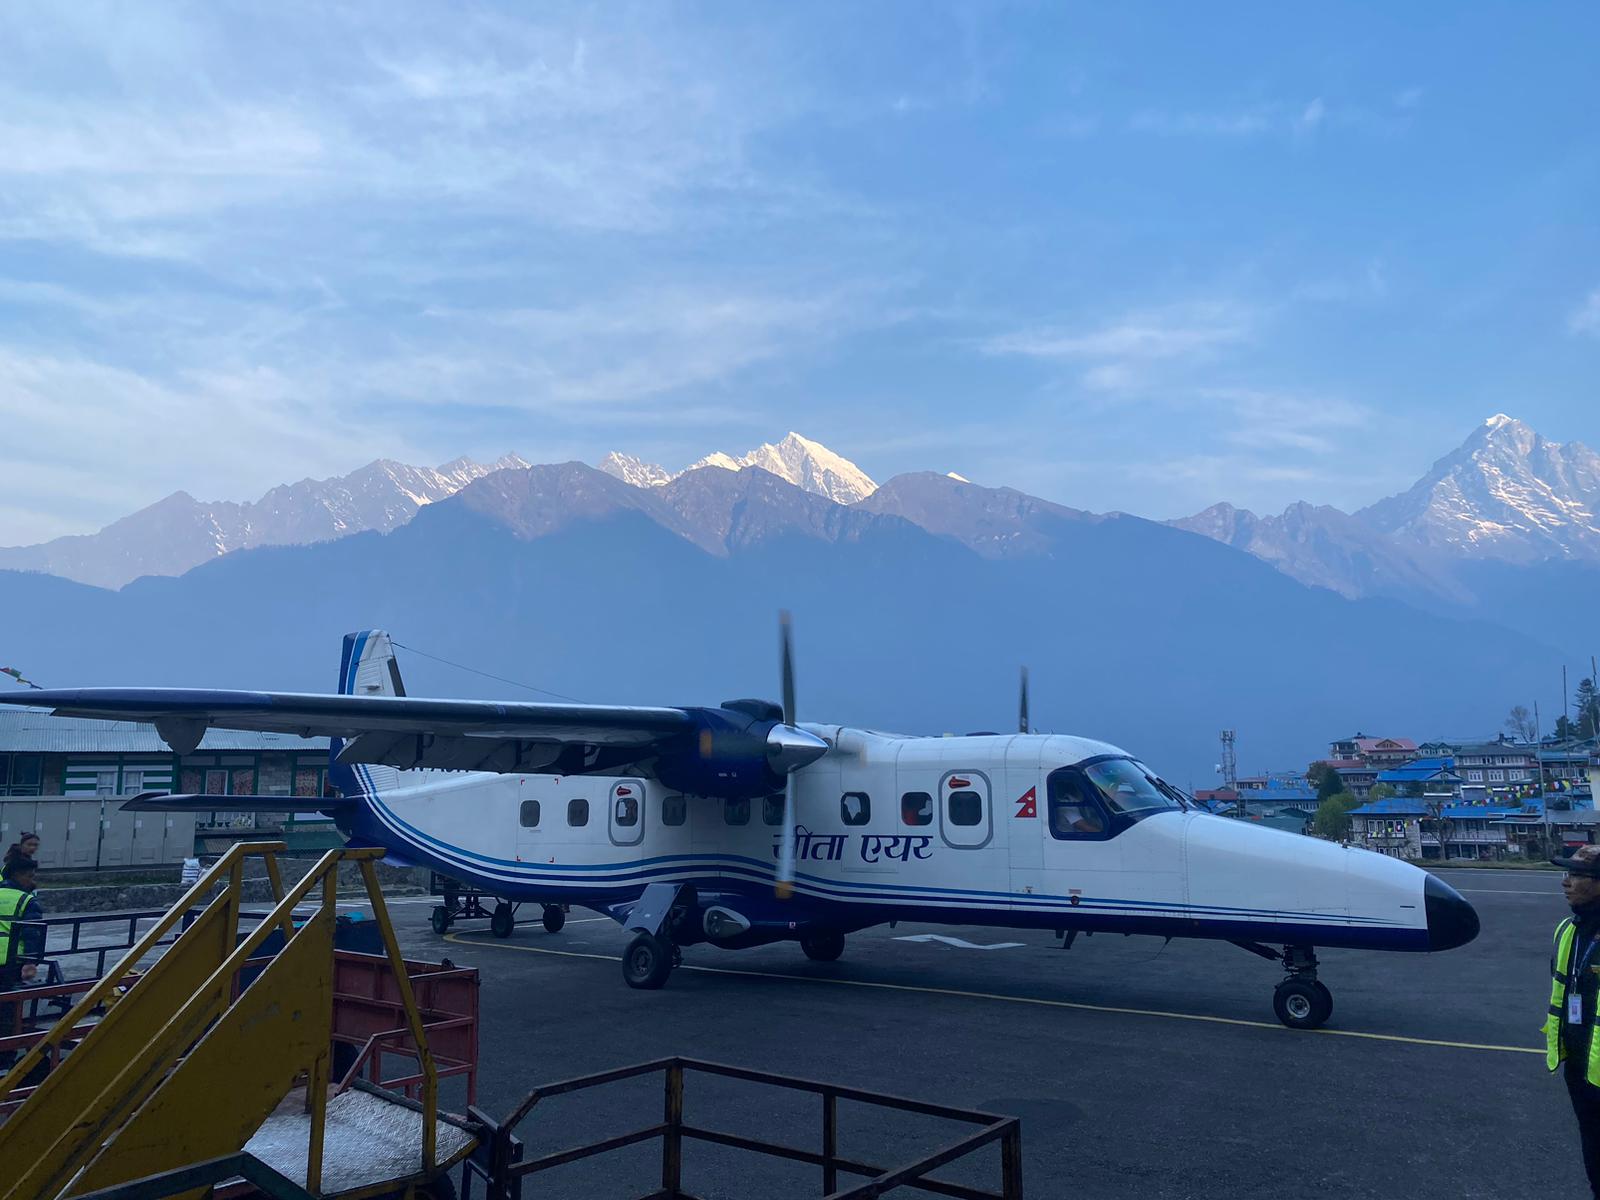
[627, 814]
[736, 812]
[772, 810]
[674, 810]
[965, 808]
[855, 808]
[577, 813]
[916, 808]
[529, 816]
[1075, 813]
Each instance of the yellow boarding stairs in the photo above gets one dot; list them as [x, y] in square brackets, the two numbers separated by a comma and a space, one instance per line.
[180, 1071]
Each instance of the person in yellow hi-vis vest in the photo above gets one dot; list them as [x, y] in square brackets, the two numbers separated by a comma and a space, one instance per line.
[21, 940]
[1574, 984]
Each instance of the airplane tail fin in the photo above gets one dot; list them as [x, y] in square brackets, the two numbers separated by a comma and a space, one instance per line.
[367, 667]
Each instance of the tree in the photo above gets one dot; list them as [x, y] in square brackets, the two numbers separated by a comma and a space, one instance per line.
[1330, 784]
[1520, 722]
[1381, 791]
[1333, 816]
[1435, 806]
[1586, 703]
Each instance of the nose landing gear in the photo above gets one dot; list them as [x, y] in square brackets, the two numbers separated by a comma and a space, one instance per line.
[1301, 1001]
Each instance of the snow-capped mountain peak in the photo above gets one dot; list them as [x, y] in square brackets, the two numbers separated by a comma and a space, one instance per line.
[808, 465]
[1504, 493]
[635, 471]
[724, 462]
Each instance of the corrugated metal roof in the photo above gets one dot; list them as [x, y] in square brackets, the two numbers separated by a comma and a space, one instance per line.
[1421, 770]
[35, 731]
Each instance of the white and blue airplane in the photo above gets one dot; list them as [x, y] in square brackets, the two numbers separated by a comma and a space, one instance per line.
[737, 826]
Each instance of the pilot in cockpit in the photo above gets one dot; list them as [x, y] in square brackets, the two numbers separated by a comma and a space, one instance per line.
[1072, 811]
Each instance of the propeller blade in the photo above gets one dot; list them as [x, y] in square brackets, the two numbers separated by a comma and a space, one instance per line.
[784, 888]
[786, 664]
[1022, 718]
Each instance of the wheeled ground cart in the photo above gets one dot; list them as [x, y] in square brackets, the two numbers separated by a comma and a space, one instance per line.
[462, 902]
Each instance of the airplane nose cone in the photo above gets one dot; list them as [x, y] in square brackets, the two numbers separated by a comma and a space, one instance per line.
[1452, 921]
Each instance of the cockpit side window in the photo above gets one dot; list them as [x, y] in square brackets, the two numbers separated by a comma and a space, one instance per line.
[1101, 797]
[1076, 813]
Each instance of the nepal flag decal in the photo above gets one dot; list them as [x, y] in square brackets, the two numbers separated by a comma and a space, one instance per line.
[1028, 803]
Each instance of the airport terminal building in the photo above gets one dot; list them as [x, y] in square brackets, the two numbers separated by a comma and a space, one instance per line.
[63, 778]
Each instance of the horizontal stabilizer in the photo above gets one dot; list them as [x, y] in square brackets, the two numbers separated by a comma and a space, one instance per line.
[165, 802]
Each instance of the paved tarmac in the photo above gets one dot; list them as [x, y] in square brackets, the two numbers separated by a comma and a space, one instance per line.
[1139, 1070]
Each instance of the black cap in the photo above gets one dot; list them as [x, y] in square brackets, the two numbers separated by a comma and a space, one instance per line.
[1589, 866]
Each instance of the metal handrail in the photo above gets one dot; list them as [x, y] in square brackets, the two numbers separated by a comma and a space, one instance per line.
[505, 1169]
[372, 1050]
[176, 1182]
[230, 864]
[155, 1056]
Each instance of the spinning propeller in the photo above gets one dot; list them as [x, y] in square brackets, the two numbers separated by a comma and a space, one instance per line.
[782, 743]
[1022, 707]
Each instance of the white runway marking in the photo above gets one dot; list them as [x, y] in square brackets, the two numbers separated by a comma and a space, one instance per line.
[962, 943]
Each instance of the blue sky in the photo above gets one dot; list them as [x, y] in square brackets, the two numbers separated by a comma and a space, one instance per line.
[1122, 256]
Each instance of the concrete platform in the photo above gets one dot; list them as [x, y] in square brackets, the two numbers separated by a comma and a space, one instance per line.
[1140, 1070]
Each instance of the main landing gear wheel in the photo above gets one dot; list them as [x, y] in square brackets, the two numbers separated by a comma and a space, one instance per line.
[440, 919]
[822, 947]
[503, 920]
[554, 918]
[647, 961]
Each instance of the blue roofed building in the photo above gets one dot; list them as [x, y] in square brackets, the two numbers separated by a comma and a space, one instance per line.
[1392, 826]
[1427, 776]
[1411, 827]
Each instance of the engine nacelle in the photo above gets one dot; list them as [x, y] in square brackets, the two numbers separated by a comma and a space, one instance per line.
[738, 752]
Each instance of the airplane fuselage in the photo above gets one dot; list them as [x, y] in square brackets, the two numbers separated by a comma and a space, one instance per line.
[961, 830]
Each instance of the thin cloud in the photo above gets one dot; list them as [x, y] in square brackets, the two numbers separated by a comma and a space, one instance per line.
[1156, 334]
[1276, 118]
[1585, 319]
[1129, 353]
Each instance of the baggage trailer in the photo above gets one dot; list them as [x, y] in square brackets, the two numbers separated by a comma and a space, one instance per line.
[461, 902]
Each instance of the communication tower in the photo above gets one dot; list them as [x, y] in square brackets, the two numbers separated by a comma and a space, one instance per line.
[1229, 768]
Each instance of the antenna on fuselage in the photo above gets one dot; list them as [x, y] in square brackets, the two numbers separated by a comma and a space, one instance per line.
[1022, 705]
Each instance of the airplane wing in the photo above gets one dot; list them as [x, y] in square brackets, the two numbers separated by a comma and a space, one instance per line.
[398, 731]
[199, 802]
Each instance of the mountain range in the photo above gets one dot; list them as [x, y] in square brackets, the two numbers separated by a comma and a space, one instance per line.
[916, 601]
[177, 533]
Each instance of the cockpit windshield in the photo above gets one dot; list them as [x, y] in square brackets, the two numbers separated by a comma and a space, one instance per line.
[1126, 787]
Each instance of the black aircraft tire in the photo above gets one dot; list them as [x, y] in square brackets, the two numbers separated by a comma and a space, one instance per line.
[502, 922]
[1327, 999]
[646, 962]
[823, 947]
[554, 918]
[1300, 1005]
[440, 919]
